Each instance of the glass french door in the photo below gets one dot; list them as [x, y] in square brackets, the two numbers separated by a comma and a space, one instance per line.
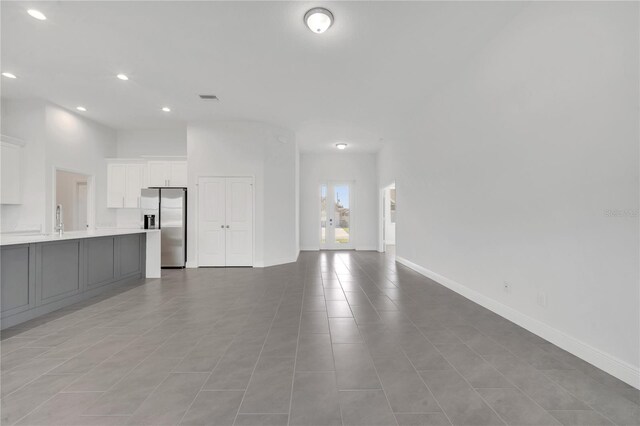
[336, 218]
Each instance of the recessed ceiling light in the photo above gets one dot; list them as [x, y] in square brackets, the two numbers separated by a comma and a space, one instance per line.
[122, 77]
[37, 14]
[318, 19]
[8, 75]
[341, 145]
[166, 109]
[81, 108]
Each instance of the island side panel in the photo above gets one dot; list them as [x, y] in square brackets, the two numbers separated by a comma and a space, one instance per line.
[39, 278]
[17, 275]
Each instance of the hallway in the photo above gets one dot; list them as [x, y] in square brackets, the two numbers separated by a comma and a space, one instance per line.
[337, 338]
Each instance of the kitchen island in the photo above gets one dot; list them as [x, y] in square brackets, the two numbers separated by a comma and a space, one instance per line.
[43, 273]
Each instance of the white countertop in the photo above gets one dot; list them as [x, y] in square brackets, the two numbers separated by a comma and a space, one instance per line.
[10, 239]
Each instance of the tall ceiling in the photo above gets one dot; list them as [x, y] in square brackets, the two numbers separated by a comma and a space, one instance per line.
[360, 82]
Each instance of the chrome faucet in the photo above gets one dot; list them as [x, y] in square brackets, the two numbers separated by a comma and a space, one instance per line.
[59, 225]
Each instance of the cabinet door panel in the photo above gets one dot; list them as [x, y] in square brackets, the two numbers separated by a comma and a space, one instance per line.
[100, 261]
[130, 261]
[133, 184]
[116, 184]
[159, 173]
[178, 173]
[59, 271]
[16, 280]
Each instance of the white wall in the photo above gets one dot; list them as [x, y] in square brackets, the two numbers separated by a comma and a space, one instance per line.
[26, 120]
[316, 168]
[248, 149]
[152, 142]
[513, 169]
[75, 143]
[54, 138]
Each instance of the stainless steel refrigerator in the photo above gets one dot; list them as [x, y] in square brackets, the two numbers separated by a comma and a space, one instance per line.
[169, 205]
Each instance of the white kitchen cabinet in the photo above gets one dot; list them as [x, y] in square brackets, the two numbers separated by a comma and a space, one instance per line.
[178, 175]
[11, 169]
[159, 173]
[124, 184]
[134, 182]
[116, 176]
[167, 173]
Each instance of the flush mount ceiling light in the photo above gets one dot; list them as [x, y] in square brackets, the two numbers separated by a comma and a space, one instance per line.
[81, 108]
[8, 75]
[341, 145]
[166, 109]
[122, 77]
[37, 14]
[318, 19]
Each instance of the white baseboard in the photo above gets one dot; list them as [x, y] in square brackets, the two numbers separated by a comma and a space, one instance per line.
[604, 361]
[309, 248]
[191, 264]
[367, 248]
[280, 261]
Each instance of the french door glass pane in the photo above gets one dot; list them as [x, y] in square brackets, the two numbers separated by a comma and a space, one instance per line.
[342, 213]
[323, 214]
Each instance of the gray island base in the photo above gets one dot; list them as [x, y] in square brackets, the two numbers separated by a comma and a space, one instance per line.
[41, 277]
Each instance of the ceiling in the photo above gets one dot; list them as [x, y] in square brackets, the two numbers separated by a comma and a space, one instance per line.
[362, 82]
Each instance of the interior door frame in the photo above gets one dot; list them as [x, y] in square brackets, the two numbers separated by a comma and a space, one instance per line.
[253, 216]
[352, 225]
[86, 190]
[381, 216]
[91, 204]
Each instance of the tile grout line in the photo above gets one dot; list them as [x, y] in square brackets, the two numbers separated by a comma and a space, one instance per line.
[59, 392]
[260, 353]
[393, 414]
[214, 367]
[472, 350]
[295, 359]
[416, 371]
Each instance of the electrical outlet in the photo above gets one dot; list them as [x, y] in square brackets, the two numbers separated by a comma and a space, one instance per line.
[542, 299]
[506, 287]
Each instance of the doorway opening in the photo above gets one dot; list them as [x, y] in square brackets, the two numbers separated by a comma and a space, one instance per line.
[336, 216]
[388, 219]
[73, 193]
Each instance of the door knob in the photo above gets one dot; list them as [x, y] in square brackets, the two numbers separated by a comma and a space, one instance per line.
[221, 226]
[227, 226]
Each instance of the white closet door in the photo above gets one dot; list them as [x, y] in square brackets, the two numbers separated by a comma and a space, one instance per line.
[211, 222]
[239, 221]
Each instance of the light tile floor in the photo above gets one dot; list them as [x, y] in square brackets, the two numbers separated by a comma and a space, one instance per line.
[338, 338]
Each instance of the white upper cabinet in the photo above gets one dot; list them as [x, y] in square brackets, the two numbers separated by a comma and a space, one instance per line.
[11, 170]
[178, 175]
[134, 182]
[126, 178]
[159, 173]
[124, 185]
[116, 176]
[167, 173]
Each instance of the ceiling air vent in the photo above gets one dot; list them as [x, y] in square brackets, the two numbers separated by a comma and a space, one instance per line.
[209, 97]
